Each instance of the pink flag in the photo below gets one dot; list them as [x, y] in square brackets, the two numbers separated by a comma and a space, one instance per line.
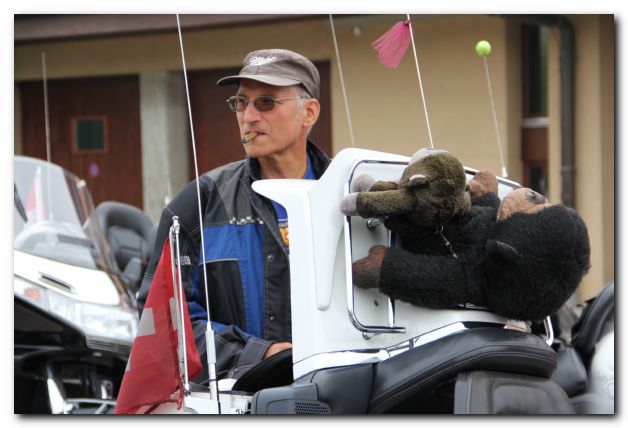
[393, 44]
[152, 375]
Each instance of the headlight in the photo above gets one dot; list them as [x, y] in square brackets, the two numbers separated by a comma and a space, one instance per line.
[108, 322]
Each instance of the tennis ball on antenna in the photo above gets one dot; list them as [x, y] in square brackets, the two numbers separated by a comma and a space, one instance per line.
[483, 48]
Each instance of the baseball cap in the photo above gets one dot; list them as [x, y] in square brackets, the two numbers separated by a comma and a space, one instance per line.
[277, 67]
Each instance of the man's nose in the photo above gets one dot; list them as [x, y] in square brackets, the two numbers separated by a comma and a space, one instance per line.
[251, 113]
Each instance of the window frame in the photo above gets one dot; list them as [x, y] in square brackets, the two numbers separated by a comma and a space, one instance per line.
[74, 120]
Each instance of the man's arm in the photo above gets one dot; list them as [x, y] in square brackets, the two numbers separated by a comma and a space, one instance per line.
[234, 347]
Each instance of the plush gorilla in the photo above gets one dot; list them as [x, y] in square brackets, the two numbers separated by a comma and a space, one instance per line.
[521, 258]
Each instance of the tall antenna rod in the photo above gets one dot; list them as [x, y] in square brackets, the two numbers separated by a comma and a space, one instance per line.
[46, 119]
[418, 72]
[483, 48]
[209, 333]
[342, 81]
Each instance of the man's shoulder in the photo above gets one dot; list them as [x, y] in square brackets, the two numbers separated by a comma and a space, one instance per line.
[227, 171]
[210, 180]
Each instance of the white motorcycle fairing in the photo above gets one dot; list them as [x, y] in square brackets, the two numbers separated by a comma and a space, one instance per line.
[385, 353]
[328, 329]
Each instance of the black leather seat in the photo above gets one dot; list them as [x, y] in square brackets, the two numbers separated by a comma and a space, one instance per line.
[486, 392]
[129, 232]
[574, 359]
[429, 378]
[486, 348]
[596, 319]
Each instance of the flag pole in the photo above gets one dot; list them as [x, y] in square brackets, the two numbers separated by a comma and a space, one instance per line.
[418, 72]
[209, 333]
[175, 260]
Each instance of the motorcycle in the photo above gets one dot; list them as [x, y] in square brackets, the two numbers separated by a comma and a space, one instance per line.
[586, 366]
[355, 351]
[75, 317]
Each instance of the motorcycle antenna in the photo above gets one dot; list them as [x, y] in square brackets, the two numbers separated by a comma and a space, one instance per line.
[483, 49]
[342, 80]
[46, 115]
[44, 69]
[391, 303]
[418, 72]
[209, 332]
[391, 48]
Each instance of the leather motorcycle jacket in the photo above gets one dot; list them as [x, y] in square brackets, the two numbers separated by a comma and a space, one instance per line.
[246, 262]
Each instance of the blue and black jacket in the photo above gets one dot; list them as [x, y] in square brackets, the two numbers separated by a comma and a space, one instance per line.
[246, 262]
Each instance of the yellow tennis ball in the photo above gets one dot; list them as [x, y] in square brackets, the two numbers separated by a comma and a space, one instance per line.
[483, 48]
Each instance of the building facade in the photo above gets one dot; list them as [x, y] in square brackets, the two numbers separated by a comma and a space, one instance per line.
[118, 111]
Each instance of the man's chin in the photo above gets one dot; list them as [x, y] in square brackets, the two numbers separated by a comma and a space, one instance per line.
[254, 152]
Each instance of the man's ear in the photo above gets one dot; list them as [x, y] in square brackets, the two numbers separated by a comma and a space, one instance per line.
[312, 111]
[501, 250]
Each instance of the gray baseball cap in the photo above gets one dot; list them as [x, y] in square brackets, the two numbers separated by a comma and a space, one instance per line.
[277, 67]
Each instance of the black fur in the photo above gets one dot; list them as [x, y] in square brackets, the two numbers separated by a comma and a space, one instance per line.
[524, 267]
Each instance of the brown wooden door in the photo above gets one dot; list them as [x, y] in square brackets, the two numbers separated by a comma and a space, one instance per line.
[215, 127]
[534, 154]
[112, 168]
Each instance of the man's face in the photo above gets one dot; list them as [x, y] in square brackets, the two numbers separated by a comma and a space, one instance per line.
[279, 129]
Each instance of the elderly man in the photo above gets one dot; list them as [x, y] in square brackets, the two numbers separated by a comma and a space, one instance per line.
[246, 234]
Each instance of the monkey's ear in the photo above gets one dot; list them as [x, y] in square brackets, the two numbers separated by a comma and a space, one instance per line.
[501, 250]
[417, 180]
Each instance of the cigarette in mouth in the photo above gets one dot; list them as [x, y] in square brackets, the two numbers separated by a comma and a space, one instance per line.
[248, 137]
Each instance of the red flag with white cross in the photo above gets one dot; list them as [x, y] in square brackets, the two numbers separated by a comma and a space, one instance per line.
[152, 375]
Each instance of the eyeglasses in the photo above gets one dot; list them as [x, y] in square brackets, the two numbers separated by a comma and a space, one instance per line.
[238, 103]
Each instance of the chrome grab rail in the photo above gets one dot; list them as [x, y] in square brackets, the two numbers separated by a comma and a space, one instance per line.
[374, 329]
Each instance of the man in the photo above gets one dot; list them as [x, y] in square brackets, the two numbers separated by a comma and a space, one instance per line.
[246, 234]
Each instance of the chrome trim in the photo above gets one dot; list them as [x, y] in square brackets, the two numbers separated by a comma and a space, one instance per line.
[56, 283]
[374, 329]
[105, 344]
[103, 404]
[547, 323]
[178, 295]
[365, 356]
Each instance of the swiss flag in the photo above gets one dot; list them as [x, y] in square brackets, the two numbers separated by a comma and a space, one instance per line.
[152, 375]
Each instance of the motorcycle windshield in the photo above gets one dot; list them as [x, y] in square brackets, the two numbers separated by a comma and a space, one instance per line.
[54, 217]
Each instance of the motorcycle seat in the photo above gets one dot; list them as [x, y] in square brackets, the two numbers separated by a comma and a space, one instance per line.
[593, 323]
[129, 232]
[570, 373]
[484, 348]
[487, 392]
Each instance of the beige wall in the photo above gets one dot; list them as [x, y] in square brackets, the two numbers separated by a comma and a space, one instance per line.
[385, 104]
[594, 139]
[554, 112]
[594, 135]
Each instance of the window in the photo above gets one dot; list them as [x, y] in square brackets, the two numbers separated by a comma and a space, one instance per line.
[535, 70]
[534, 129]
[89, 134]
[536, 177]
